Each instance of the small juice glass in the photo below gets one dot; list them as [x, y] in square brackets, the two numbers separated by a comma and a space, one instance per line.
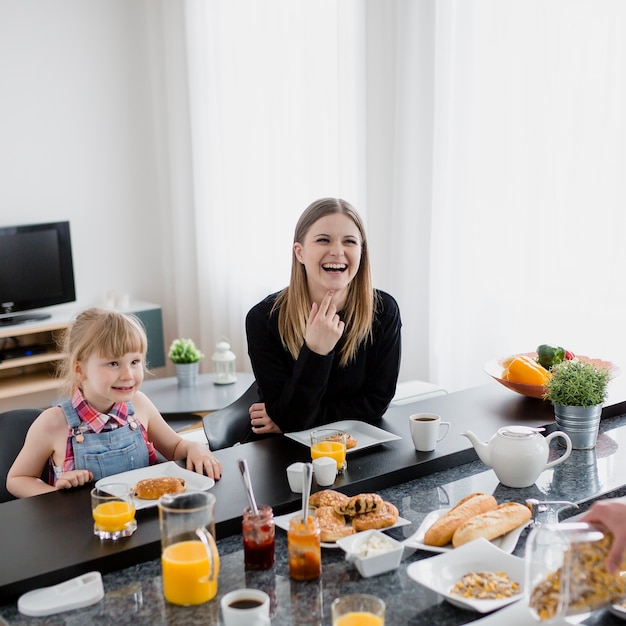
[304, 547]
[113, 511]
[258, 538]
[329, 442]
[358, 609]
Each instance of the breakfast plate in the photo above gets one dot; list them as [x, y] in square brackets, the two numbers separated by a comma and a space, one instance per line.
[440, 573]
[282, 521]
[506, 542]
[619, 609]
[365, 434]
[194, 481]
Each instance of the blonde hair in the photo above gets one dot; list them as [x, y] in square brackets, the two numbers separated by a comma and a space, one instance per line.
[293, 302]
[102, 332]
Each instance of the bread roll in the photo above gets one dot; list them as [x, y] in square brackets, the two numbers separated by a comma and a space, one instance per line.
[332, 525]
[328, 497]
[359, 504]
[492, 524]
[154, 488]
[384, 517]
[440, 533]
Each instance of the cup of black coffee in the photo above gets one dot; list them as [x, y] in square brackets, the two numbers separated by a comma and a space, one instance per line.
[246, 607]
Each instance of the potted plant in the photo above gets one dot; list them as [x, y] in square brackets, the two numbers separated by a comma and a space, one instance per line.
[577, 390]
[186, 356]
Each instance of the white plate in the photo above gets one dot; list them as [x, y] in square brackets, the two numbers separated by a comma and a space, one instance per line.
[195, 482]
[518, 614]
[619, 610]
[282, 521]
[506, 543]
[441, 572]
[365, 434]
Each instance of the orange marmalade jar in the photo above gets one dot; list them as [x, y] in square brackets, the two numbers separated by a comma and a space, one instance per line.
[305, 553]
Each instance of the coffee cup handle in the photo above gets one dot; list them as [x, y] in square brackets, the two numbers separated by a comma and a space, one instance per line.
[446, 429]
[211, 549]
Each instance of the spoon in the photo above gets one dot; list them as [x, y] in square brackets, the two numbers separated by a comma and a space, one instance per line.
[247, 483]
[307, 475]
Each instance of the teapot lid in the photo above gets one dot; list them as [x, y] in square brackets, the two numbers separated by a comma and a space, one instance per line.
[519, 432]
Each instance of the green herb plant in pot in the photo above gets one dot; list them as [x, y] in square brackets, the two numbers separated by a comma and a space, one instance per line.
[186, 357]
[577, 390]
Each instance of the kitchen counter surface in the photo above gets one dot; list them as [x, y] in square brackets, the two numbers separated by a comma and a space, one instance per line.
[134, 592]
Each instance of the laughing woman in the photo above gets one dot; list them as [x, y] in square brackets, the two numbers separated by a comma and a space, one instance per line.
[327, 347]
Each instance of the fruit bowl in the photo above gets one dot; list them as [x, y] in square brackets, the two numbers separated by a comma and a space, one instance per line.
[495, 368]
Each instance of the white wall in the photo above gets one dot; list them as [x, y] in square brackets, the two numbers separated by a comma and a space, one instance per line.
[77, 137]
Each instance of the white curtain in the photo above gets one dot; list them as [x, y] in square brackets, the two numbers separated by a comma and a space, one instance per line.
[481, 140]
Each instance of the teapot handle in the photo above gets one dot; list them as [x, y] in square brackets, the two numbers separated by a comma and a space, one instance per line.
[568, 449]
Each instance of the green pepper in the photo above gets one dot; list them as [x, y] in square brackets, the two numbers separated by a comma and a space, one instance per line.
[548, 355]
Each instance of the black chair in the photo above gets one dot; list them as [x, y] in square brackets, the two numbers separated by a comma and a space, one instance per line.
[14, 425]
[230, 425]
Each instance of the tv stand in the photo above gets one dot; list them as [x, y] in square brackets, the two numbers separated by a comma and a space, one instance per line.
[21, 318]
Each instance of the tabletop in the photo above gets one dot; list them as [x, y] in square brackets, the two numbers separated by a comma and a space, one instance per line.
[204, 397]
[55, 542]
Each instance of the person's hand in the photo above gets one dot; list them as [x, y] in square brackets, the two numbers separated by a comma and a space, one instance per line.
[260, 421]
[611, 514]
[324, 327]
[202, 461]
[75, 478]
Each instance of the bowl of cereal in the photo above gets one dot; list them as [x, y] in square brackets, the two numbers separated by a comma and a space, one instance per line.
[476, 576]
[372, 552]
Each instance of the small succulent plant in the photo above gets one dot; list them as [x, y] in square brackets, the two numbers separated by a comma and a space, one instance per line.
[184, 351]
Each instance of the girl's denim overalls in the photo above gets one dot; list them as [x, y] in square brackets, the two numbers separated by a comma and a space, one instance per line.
[108, 452]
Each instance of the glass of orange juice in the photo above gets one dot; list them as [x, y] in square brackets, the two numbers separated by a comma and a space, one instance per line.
[331, 443]
[113, 511]
[358, 609]
[189, 558]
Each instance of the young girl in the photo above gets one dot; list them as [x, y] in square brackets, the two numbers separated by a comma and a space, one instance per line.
[327, 347]
[107, 426]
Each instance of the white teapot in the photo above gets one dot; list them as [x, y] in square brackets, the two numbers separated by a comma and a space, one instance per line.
[518, 454]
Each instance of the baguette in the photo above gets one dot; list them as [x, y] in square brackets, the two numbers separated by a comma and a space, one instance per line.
[492, 524]
[441, 531]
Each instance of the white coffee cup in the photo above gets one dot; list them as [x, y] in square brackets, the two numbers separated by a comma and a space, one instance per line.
[324, 470]
[246, 607]
[426, 430]
[294, 476]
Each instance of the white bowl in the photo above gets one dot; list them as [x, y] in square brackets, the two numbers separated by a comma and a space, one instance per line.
[377, 563]
[440, 573]
[294, 475]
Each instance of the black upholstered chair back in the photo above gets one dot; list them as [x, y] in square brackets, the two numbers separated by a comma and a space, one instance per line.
[230, 425]
[14, 425]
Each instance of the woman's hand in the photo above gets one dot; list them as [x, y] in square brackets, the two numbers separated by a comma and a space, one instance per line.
[75, 478]
[260, 421]
[324, 327]
[611, 514]
[202, 461]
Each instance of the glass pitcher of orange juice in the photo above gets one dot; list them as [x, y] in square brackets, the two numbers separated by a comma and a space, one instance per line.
[189, 557]
[331, 443]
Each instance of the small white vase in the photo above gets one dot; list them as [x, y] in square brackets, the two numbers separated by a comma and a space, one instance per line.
[187, 374]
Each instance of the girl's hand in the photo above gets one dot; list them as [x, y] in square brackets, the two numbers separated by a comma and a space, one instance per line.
[202, 461]
[324, 327]
[260, 421]
[75, 478]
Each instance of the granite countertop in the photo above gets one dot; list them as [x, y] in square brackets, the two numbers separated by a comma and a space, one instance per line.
[134, 595]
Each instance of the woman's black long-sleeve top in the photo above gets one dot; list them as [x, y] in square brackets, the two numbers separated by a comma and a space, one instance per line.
[313, 389]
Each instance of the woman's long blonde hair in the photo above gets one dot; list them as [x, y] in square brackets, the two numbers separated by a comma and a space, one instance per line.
[103, 332]
[293, 303]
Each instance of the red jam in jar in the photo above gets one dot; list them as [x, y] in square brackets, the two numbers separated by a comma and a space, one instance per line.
[258, 538]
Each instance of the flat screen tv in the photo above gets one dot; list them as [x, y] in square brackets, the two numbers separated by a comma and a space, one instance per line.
[36, 270]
